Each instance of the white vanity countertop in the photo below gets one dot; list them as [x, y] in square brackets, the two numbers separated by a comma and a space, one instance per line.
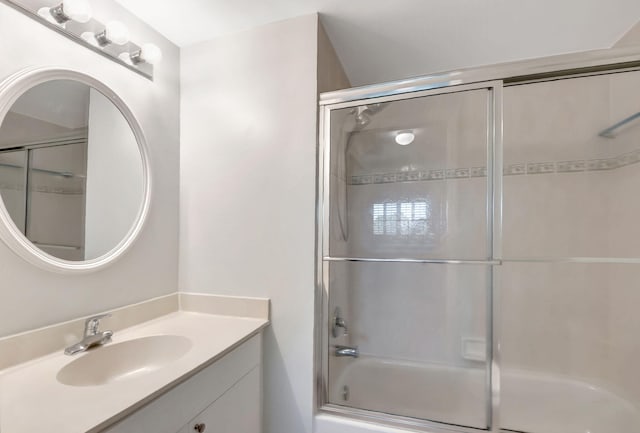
[32, 399]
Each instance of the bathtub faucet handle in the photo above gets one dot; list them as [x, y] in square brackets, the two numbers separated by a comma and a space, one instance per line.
[337, 323]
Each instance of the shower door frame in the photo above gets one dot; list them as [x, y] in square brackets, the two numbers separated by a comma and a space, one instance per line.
[493, 211]
[494, 78]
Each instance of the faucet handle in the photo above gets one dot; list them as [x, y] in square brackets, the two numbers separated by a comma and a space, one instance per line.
[92, 323]
[338, 322]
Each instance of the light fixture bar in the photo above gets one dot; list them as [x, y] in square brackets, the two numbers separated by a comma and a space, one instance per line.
[59, 21]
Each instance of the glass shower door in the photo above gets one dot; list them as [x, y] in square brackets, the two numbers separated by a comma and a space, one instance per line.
[13, 180]
[56, 200]
[569, 283]
[408, 257]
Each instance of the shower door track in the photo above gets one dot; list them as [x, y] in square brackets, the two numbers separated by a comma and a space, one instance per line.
[408, 260]
[495, 78]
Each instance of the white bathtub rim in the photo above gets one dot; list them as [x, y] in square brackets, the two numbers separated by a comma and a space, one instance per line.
[579, 382]
[581, 387]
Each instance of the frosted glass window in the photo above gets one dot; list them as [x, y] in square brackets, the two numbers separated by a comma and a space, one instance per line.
[405, 218]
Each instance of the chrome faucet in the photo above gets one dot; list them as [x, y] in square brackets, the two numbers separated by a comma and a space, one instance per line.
[347, 351]
[92, 337]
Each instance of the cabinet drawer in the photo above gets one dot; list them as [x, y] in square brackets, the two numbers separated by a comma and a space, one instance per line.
[172, 410]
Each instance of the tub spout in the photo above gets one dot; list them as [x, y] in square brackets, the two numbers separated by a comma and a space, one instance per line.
[347, 351]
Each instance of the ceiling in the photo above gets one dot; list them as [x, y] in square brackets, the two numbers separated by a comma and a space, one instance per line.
[383, 40]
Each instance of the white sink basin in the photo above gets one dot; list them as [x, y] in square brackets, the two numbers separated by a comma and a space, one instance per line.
[120, 361]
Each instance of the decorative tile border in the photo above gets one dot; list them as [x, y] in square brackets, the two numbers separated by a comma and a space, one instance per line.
[571, 166]
[46, 189]
[515, 169]
[530, 168]
[541, 167]
[478, 172]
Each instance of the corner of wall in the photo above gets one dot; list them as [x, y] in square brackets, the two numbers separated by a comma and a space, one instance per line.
[630, 38]
[331, 74]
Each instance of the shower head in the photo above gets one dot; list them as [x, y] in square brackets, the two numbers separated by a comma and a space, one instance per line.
[362, 118]
[363, 114]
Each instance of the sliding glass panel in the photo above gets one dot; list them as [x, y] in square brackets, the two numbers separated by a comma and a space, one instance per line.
[570, 348]
[409, 178]
[570, 187]
[420, 333]
[569, 330]
[12, 185]
[56, 216]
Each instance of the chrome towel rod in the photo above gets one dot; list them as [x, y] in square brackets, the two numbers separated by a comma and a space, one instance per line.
[610, 132]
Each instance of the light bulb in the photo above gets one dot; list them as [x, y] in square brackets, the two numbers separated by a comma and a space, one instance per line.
[116, 32]
[77, 10]
[405, 138]
[151, 54]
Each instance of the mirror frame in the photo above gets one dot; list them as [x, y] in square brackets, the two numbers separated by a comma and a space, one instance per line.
[12, 88]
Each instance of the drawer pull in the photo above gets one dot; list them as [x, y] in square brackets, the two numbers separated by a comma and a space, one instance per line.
[200, 427]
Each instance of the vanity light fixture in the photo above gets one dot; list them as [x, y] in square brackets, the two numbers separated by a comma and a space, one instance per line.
[148, 53]
[68, 10]
[405, 138]
[73, 19]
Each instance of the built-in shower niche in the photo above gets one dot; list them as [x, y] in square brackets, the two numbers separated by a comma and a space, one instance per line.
[425, 199]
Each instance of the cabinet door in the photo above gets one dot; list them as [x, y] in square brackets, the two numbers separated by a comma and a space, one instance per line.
[239, 410]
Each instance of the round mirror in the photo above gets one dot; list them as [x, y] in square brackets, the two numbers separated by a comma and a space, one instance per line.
[74, 178]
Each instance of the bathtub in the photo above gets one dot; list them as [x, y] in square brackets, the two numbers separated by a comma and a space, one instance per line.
[531, 402]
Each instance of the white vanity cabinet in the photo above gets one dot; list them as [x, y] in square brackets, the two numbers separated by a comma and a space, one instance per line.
[236, 411]
[224, 397]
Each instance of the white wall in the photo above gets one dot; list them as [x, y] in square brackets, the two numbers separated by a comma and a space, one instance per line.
[114, 180]
[30, 297]
[248, 165]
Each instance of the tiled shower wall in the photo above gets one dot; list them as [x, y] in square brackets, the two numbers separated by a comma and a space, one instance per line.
[561, 318]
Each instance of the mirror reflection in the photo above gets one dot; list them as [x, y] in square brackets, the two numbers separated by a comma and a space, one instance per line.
[71, 173]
